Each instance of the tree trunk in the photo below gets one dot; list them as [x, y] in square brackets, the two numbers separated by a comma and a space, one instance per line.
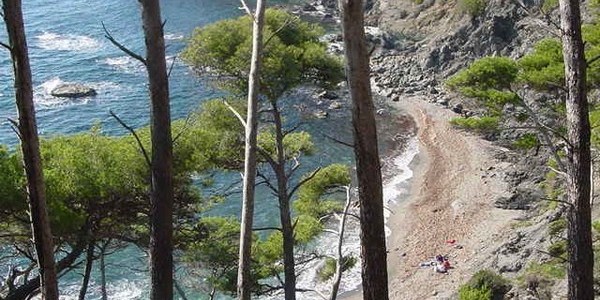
[244, 283]
[581, 256]
[161, 236]
[89, 262]
[340, 255]
[373, 248]
[103, 293]
[287, 231]
[40, 225]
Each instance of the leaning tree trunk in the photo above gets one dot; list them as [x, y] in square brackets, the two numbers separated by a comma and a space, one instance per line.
[373, 248]
[161, 233]
[581, 256]
[40, 225]
[87, 273]
[244, 283]
[287, 230]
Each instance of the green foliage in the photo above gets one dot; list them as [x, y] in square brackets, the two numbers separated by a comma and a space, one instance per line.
[213, 247]
[293, 53]
[549, 5]
[467, 292]
[307, 227]
[591, 36]
[596, 226]
[12, 196]
[595, 126]
[487, 279]
[311, 199]
[549, 270]
[88, 172]
[544, 67]
[558, 249]
[210, 138]
[328, 269]
[294, 144]
[526, 142]
[482, 125]
[472, 7]
[557, 227]
[489, 80]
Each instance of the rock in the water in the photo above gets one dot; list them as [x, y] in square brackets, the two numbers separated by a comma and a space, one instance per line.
[73, 90]
[320, 114]
[335, 105]
[328, 95]
[309, 7]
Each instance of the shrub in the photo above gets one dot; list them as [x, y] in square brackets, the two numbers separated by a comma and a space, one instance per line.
[558, 249]
[472, 7]
[328, 270]
[483, 125]
[556, 228]
[484, 284]
[526, 142]
[468, 293]
[550, 270]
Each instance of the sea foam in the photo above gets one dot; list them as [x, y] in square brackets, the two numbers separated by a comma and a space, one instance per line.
[67, 42]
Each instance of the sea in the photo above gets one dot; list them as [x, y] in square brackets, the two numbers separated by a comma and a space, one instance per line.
[67, 44]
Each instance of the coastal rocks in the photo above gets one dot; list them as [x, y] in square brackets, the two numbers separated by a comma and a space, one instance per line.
[72, 90]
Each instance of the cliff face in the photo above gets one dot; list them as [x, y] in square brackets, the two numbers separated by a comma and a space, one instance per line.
[435, 39]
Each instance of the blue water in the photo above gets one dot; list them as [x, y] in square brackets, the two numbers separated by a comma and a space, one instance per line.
[67, 44]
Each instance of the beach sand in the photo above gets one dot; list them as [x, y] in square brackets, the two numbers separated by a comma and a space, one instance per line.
[451, 198]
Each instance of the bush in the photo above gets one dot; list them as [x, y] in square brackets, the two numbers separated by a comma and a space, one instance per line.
[328, 270]
[486, 280]
[556, 228]
[472, 7]
[550, 270]
[483, 125]
[526, 142]
[469, 293]
[558, 249]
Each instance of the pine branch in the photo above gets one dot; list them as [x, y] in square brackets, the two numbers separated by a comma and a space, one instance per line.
[135, 135]
[121, 47]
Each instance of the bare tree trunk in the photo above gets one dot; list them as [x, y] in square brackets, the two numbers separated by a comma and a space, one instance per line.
[373, 248]
[244, 283]
[40, 225]
[161, 238]
[287, 230]
[581, 256]
[340, 256]
[89, 262]
[103, 293]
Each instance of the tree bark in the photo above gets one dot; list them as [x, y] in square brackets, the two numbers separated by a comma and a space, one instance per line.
[581, 256]
[244, 280]
[339, 268]
[161, 236]
[89, 262]
[287, 230]
[373, 247]
[40, 225]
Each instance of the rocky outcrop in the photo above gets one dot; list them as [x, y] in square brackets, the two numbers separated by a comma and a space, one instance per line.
[73, 90]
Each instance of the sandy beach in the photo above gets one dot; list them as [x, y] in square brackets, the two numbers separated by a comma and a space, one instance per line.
[451, 195]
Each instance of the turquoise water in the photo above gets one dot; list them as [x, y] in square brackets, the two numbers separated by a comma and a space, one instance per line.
[67, 44]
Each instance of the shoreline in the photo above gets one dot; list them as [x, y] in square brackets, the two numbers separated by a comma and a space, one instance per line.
[449, 197]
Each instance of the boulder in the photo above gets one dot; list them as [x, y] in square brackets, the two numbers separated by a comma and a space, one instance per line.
[73, 90]
[329, 95]
[335, 105]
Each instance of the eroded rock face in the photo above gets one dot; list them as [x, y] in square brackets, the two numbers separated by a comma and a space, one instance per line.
[73, 90]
